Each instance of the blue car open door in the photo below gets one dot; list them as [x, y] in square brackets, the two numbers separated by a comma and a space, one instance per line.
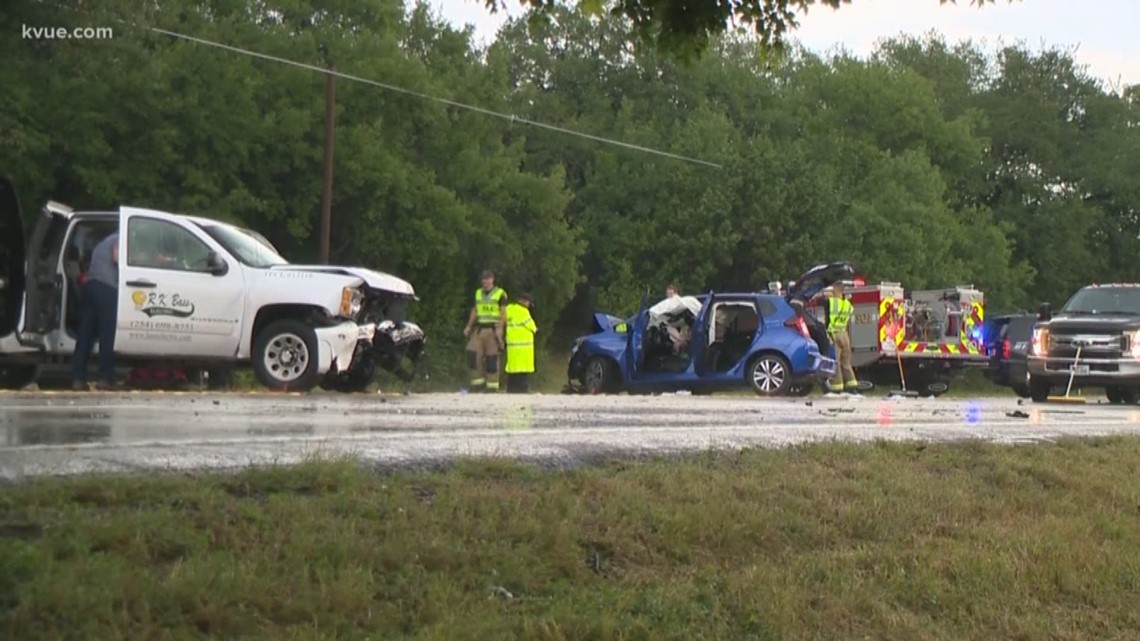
[636, 350]
[699, 347]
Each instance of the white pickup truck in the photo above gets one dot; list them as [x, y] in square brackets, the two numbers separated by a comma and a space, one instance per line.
[199, 293]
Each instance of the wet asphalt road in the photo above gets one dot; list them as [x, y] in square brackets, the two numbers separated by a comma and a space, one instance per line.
[63, 433]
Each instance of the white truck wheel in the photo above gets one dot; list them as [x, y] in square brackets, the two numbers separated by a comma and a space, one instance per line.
[285, 356]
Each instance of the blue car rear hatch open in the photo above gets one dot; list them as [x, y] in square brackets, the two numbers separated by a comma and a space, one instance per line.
[819, 278]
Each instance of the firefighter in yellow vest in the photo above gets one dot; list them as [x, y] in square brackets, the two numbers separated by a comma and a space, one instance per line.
[484, 332]
[839, 312]
[520, 344]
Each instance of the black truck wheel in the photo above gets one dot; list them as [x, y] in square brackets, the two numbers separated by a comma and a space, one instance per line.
[1122, 395]
[1039, 391]
[1021, 387]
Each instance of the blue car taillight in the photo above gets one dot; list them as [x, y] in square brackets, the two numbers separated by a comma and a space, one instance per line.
[799, 325]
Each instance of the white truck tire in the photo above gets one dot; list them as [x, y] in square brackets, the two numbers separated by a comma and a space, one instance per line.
[285, 356]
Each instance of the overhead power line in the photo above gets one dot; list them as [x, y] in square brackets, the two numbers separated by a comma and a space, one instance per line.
[390, 87]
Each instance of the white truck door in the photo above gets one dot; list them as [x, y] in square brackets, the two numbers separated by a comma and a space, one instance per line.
[180, 293]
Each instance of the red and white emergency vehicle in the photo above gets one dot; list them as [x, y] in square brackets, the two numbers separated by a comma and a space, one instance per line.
[925, 333]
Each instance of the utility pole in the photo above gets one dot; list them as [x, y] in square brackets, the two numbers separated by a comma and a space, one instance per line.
[326, 196]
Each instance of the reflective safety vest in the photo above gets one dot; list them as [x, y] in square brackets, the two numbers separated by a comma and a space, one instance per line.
[487, 306]
[520, 340]
[839, 311]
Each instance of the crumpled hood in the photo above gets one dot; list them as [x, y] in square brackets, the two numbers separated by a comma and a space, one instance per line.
[374, 279]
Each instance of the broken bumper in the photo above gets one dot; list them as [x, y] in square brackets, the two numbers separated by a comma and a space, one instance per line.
[400, 333]
[823, 366]
[338, 343]
[1090, 371]
[576, 367]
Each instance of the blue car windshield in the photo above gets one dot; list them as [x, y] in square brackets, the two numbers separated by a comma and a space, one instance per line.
[1105, 300]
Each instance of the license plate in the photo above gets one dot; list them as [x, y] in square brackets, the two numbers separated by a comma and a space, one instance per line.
[1080, 370]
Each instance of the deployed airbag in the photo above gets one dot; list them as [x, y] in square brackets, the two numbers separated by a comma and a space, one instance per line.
[676, 305]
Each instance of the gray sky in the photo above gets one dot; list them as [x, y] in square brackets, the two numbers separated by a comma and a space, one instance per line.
[1104, 30]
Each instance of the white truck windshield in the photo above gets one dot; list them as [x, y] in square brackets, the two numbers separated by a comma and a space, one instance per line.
[247, 246]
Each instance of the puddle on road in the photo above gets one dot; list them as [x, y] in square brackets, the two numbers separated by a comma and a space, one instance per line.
[125, 425]
[56, 434]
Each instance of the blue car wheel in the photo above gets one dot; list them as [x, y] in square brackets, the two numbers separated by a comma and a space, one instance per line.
[599, 376]
[769, 375]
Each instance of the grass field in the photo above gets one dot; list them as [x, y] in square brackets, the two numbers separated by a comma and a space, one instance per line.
[888, 541]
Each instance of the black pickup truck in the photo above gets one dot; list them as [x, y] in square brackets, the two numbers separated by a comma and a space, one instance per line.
[1095, 339]
[1007, 340]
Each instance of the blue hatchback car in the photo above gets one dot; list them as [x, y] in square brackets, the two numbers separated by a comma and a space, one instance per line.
[708, 343]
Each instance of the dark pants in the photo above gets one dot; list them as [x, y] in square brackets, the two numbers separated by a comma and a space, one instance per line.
[98, 314]
[517, 383]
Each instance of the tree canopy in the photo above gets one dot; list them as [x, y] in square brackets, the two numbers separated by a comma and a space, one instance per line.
[929, 163]
[684, 28]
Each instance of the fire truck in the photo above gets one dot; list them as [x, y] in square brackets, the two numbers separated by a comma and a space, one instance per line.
[921, 336]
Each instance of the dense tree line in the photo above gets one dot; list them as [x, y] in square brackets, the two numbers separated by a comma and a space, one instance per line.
[928, 163]
[685, 28]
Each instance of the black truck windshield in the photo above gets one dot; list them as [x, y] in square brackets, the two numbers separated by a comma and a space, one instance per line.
[245, 246]
[1105, 300]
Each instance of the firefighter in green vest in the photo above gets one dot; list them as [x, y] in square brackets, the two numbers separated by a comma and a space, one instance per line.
[520, 344]
[484, 332]
[839, 312]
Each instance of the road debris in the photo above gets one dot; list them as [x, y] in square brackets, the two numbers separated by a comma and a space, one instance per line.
[500, 591]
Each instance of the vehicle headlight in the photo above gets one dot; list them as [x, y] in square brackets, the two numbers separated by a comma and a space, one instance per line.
[1134, 343]
[1040, 341]
[351, 301]
[577, 344]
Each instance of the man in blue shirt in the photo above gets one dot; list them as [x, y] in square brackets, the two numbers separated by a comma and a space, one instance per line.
[99, 314]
